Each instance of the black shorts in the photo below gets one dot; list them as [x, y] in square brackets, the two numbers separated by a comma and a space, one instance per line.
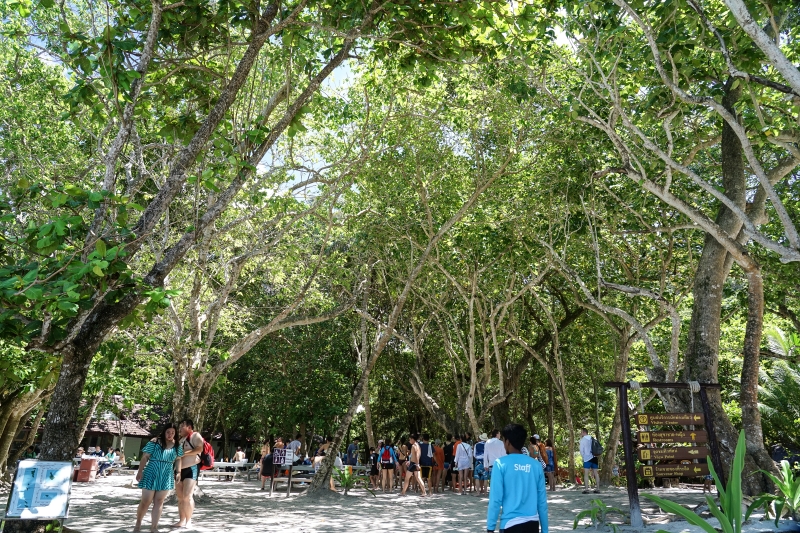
[426, 471]
[373, 471]
[190, 472]
[413, 467]
[525, 527]
[387, 466]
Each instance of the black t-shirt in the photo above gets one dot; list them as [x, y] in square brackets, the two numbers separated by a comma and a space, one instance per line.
[448, 453]
[425, 454]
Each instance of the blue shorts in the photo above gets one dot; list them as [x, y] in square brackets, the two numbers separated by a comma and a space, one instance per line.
[593, 464]
[479, 472]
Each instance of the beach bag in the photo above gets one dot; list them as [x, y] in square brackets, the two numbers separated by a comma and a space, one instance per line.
[207, 456]
[597, 448]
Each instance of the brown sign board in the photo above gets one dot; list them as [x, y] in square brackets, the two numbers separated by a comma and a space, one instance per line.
[690, 470]
[670, 419]
[667, 454]
[671, 437]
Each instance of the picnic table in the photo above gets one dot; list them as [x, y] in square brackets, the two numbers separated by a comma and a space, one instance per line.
[220, 471]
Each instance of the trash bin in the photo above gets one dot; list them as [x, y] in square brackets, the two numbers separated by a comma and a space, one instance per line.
[87, 470]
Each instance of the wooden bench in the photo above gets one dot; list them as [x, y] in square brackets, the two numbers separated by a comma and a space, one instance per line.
[210, 473]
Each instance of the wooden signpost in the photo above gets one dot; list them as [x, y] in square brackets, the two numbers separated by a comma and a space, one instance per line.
[670, 454]
[670, 419]
[679, 470]
[672, 437]
[667, 437]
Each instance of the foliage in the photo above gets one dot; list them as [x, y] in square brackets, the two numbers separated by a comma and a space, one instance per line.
[348, 480]
[729, 510]
[788, 497]
[598, 513]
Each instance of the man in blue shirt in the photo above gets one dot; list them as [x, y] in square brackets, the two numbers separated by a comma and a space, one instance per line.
[518, 488]
[352, 453]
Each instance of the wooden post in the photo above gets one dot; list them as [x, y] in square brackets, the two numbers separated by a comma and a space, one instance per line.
[712, 436]
[289, 483]
[630, 467]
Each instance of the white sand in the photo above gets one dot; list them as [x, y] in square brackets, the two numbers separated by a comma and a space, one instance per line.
[109, 506]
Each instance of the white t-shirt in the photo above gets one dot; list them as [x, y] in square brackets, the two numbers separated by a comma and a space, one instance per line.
[294, 446]
[586, 448]
[493, 450]
[464, 456]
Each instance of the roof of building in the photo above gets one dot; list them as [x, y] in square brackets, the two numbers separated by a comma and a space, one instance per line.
[136, 421]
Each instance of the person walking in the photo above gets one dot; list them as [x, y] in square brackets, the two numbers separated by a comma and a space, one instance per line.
[267, 465]
[518, 488]
[590, 462]
[402, 461]
[192, 444]
[387, 459]
[463, 462]
[493, 450]
[158, 471]
[413, 469]
[479, 471]
[552, 464]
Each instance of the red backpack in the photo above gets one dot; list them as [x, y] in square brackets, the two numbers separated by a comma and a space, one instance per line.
[207, 456]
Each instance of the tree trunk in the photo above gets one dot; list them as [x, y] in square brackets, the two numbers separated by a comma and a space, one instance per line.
[551, 431]
[31, 435]
[620, 374]
[368, 420]
[702, 357]
[90, 413]
[21, 407]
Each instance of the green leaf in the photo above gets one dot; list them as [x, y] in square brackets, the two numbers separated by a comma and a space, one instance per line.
[674, 508]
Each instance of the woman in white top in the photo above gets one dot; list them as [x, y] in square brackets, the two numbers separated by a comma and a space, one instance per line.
[463, 462]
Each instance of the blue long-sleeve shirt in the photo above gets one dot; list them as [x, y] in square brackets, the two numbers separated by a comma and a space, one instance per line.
[518, 487]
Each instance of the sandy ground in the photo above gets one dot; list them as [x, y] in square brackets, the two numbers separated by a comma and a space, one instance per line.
[109, 506]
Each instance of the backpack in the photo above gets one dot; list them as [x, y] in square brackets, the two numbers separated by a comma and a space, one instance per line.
[207, 456]
[597, 448]
[386, 456]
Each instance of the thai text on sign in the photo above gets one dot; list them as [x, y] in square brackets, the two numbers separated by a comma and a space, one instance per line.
[666, 454]
[690, 470]
[671, 437]
[670, 419]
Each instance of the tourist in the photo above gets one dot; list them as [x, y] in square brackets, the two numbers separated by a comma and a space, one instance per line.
[79, 453]
[120, 456]
[479, 471]
[295, 446]
[438, 466]
[413, 469]
[468, 439]
[110, 457]
[550, 471]
[192, 444]
[267, 466]
[518, 488]
[590, 462]
[388, 462]
[493, 450]
[402, 460]
[158, 471]
[426, 458]
[534, 451]
[352, 452]
[449, 457]
[463, 462]
[239, 456]
[374, 475]
[29, 453]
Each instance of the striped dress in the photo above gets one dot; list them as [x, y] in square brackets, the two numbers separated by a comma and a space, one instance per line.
[159, 474]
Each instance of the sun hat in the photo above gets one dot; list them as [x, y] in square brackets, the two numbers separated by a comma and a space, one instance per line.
[484, 437]
[536, 436]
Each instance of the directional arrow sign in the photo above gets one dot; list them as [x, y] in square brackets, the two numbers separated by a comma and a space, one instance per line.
[691, 470]
[672, 437]
[666, 454]
[670, 419]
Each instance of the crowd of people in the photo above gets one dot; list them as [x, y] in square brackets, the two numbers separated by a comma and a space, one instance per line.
[514, 470]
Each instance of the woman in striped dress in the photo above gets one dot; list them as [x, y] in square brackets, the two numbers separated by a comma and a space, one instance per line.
[157, 474]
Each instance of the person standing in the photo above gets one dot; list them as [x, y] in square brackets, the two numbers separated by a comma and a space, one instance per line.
[449, 457]
[374, 475]
[352, 452]
[388, 462]
[29, 453]
[192, 445]
[463, 462]
[413, 469]
[518, 488]
[479, 471]
[590, 462]
[426, 458]
[493, 450]
[267, 466]
[552, 464]
[158, 471]
[402, 461]
[438, 466]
